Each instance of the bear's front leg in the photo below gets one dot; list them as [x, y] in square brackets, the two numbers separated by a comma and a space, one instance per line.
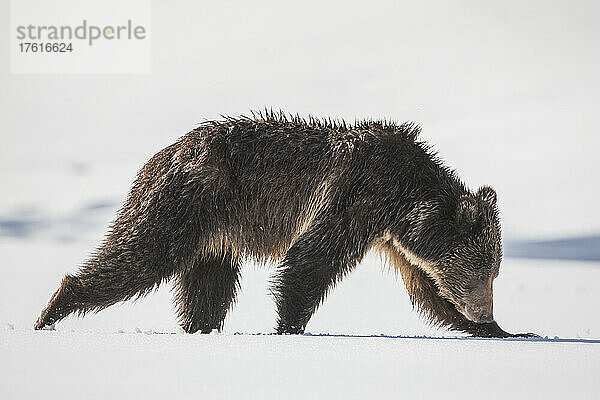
[318, 259]
[489, 330]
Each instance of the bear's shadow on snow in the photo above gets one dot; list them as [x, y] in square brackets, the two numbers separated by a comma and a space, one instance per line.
[517, 339]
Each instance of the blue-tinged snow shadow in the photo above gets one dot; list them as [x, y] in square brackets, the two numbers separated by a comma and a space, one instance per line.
[583, 248]
[20, 227]
[28, 223]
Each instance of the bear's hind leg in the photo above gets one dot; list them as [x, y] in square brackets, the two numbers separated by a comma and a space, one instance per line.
[106, 279]
[206, 291]
[155, 235]
[60, 305]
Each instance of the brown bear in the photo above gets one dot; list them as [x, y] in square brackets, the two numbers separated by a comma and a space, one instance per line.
[314, 195]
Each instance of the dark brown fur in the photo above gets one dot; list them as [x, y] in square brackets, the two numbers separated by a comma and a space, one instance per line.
[315, 195]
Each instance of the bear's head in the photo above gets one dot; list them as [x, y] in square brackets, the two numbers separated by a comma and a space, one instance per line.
[457, 244]
[465, 273]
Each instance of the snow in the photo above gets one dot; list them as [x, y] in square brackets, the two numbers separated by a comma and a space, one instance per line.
[112, 365]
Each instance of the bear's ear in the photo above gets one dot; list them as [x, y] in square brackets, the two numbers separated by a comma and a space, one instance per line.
[487, 194]
[467, 212]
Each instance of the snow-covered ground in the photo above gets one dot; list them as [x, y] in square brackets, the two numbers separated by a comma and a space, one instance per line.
[57, 365]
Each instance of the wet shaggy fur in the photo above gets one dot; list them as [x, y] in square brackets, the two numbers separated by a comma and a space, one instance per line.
[314, 196]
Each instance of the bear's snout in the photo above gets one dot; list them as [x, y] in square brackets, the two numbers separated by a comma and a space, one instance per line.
[480, 314]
